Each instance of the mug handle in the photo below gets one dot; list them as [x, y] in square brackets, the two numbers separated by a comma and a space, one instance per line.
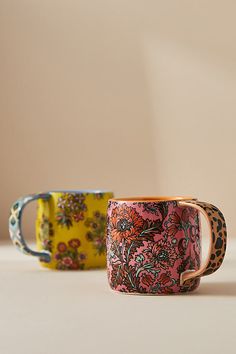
[15, 226]
[218, 235]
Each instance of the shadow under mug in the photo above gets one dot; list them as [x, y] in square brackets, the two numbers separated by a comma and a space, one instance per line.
[154, 244]
[70, 228]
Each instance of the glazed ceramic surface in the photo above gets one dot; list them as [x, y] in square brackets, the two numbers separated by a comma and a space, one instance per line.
[150, 245]
[70, 229]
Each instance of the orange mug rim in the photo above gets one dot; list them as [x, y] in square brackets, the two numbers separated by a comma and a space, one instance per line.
[150, 199]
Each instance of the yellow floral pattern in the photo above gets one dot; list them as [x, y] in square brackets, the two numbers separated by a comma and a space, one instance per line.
[72, 227]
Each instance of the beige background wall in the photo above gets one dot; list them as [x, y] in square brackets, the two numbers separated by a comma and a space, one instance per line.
[134, 96]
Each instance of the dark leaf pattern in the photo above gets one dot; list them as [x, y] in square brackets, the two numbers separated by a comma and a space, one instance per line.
[148, 254]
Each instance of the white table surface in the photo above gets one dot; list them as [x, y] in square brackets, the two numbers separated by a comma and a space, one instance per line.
[52, 312]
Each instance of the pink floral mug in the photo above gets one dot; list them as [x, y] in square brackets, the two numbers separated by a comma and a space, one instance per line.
[154, 244]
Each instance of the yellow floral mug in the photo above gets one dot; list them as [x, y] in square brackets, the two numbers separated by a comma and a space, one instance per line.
[70, 228]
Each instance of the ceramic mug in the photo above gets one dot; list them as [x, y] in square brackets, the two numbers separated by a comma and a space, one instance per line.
[70, 228]
[154, 244]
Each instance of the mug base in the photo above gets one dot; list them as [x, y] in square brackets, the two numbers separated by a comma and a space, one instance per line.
[52, 266]
[183, 291]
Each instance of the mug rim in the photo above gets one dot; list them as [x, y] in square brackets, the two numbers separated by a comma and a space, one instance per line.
[151, 199]
[90, 191]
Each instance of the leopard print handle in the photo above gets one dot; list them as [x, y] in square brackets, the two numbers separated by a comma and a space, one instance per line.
[15, 226]
[218, 237]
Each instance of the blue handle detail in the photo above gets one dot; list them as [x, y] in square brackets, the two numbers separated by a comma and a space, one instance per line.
[15, 226]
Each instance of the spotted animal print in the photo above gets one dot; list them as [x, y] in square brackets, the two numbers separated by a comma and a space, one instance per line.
[217, 225]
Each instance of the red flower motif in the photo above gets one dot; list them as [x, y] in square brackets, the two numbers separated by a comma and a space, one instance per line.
[174, 224]
[74, 243]
[164, 254]
[188, 213]
[79, 216]
[74, 265]
[125, 223]
[67, 261]
[61, 247]
[175, 218]
[165, 279]
[147, 279]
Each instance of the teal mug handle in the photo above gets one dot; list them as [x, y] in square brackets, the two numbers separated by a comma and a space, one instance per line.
[15, 226]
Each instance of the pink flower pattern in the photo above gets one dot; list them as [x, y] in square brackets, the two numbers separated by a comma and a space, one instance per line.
[149, 245]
